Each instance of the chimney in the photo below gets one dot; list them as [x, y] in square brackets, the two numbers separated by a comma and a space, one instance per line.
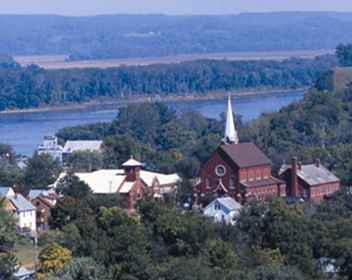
[294, 178]
[317, 162]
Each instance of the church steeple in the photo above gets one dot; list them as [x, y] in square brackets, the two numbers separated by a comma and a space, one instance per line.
[231, 136]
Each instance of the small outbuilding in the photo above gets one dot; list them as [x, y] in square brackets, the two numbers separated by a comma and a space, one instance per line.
[223, 210]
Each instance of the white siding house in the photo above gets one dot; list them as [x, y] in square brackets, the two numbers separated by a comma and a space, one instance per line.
[223, 210]
[23, 210]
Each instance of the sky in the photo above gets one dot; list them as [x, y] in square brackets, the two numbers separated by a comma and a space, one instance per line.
[93, 7]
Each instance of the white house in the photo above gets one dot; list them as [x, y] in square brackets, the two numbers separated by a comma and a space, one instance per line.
[51, 147]
[23, 210]
[223, 209]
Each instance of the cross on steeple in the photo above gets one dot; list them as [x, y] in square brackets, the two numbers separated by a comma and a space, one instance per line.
[231, 136]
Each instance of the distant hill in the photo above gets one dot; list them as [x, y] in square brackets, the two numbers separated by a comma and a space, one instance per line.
[124, 36]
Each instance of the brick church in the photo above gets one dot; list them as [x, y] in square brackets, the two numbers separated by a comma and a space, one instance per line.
[239, 170]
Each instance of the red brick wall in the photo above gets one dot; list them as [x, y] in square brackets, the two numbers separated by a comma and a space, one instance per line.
[318, 193]
[266, 192]
[255, 173]
[208, 173]
[136, 193]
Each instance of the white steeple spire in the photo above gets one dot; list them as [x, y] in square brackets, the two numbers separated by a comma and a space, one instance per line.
[231, 136]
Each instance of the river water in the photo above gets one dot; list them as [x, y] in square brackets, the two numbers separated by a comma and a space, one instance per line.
[24, 131]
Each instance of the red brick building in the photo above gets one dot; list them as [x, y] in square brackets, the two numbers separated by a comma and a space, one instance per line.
[44, 201]
[239, 170]
[312, 182]
[131, 182]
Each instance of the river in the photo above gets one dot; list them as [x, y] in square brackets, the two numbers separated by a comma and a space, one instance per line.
[24, 131]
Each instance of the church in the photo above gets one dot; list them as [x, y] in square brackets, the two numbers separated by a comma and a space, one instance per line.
[239, 170]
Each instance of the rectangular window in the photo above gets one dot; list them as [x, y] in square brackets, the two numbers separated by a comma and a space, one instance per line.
[232, 183]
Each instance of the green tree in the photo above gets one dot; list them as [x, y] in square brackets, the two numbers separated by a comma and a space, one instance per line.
[81, 269]
[42, 170]
[7, 241]
[52, 259]
[344, 54]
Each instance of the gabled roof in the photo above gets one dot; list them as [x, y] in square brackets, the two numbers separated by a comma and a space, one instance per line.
[106, 181]
[163, 179]
[82, 145]
[34, 193]
[228, 204]
[21, 204]
[313, 174]
[245, 154]
[103, 181]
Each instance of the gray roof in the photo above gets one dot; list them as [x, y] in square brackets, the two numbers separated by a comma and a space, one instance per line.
[82, 145]
[21, 203]
[34, 193]
[229, 203]
[313, 174]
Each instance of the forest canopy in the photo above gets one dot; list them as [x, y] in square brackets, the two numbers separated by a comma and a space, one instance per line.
[32, 87]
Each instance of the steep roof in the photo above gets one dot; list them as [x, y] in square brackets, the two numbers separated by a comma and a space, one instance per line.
[21, 203]
[229, 203]
[82, 145]
[164, 179]
[34, 193]
[313, 174]
[245, 154]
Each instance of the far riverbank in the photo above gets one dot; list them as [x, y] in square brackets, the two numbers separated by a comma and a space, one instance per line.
[156, 98]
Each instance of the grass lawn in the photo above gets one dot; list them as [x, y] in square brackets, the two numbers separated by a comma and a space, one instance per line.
[25, 253]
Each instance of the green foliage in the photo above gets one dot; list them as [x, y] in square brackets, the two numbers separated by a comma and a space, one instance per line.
[317, 127]
[41, 171]
[84, 161]
[33, 87]
[7, 241]
[71, 186]
[52, 259]
[81, 269]
[344, 54]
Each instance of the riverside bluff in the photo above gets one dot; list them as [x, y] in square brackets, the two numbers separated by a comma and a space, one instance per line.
[155, 98]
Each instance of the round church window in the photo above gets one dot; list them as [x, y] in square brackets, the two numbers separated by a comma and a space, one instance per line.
[220, 170]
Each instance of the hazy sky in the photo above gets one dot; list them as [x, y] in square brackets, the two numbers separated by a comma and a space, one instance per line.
[89, 7]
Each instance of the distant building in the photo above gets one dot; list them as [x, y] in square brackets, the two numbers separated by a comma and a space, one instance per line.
[44, 201]
[224, 210]
[51, 147]
[239, 170]
[23, 210]
[131, 182]
[312, 182]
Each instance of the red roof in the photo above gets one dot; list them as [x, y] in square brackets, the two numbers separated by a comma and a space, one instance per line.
[245, 154]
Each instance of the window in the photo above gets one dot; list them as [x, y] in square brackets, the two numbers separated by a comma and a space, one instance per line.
[217, 206]
[220, 170]
[232, 183]
[207, 183]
